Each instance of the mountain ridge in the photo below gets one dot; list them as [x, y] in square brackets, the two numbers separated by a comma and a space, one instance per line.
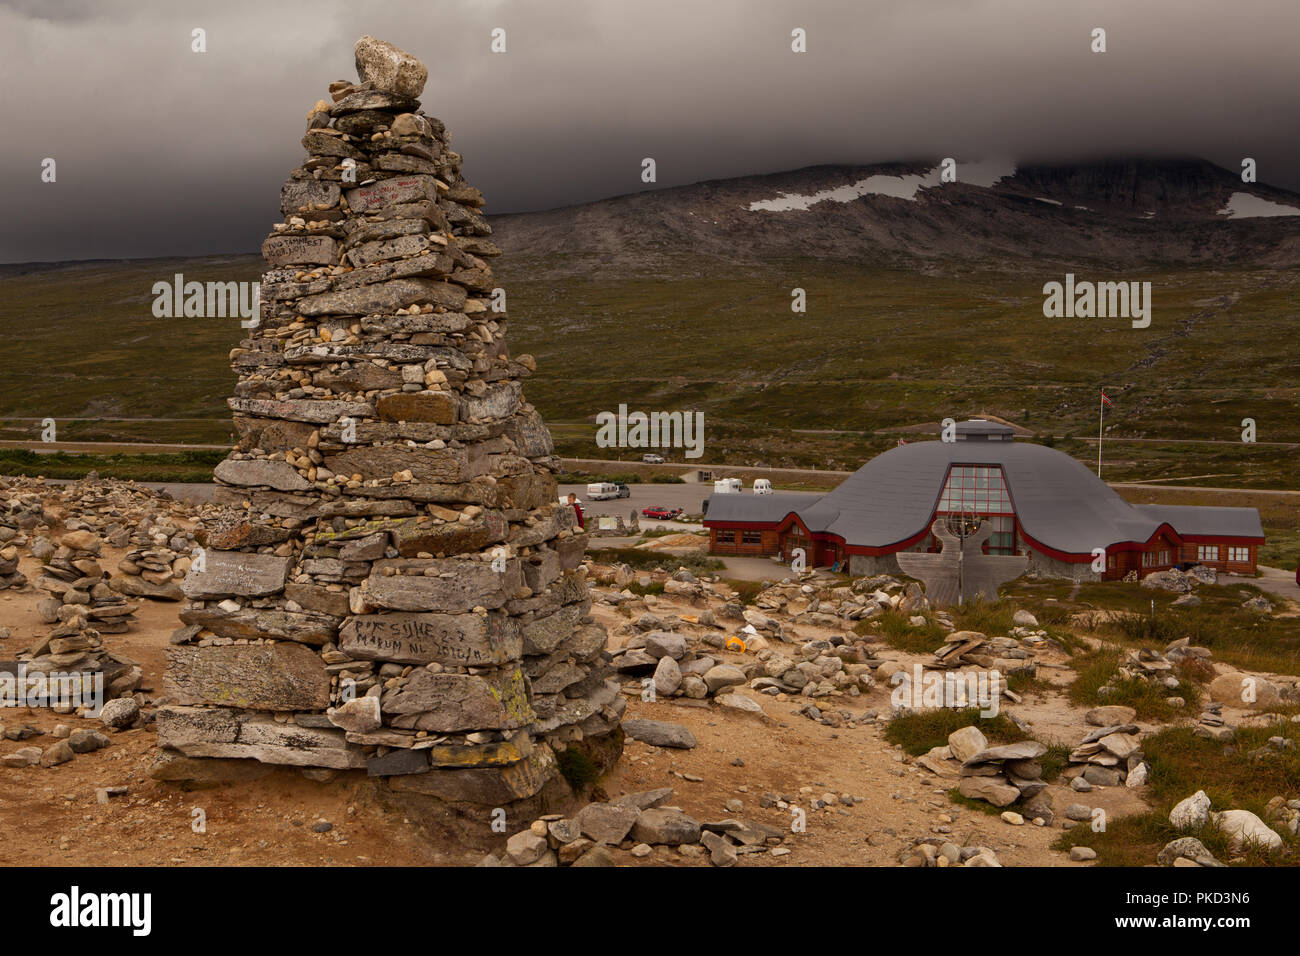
[1133, 213]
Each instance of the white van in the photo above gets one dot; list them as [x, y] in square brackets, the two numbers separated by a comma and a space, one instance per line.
[602, 491]
[726, 486]
[762, 486]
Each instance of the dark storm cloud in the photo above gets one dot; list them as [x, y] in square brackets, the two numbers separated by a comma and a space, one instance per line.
[162, 151]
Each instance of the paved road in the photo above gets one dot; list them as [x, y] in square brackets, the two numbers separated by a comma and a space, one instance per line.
[1279, 581]
[689, 497]
[107, 447]
[1232, 491]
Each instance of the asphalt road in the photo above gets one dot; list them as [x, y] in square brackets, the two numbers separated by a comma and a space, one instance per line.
[688, 497]
[1277, 581]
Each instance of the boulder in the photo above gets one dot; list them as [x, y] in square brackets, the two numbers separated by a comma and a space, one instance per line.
[994, 790]
[1243, 690]
[667, 677]
[666, 826]
[659, 733]
[119, 713]
[1192, 812]
[1110, 715]
[1186, 848]
[606, 822]
[1244, 828]
[525, 848]
[966, 743]
[723, 675]
[665, 644]
[389, 69]
[740, 704]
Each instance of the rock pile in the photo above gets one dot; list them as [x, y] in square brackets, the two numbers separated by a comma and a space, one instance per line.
[79, 588]
[939, 852]
[160, 556]
[117, 513]
[972, 649]
[1179, 582]
[640, 823]
[22, 514]
[10, 576]
[1003, 775]
[82, 607]
[832, 607]
[391, 583]
[1142, 665]
[68, 745]
[1109, 755]
[1212, 726]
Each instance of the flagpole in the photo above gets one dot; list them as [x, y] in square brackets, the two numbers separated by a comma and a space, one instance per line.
[1101, 414]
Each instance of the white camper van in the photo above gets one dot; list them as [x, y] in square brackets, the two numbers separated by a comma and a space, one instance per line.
[726, 486]
[602, 491]
[762, 486]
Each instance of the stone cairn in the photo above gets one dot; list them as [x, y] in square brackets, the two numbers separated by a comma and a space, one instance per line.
[391, 583]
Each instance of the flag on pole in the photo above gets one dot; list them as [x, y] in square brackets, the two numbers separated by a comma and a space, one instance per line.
[1105, 399]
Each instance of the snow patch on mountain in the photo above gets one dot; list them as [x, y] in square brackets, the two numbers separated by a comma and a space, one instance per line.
[1247, 206]
[985, 173]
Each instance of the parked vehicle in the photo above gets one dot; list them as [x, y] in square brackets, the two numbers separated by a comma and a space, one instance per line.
[653, 459]
[660, 512]
[727, 486]
[602, 491]
[762, 486]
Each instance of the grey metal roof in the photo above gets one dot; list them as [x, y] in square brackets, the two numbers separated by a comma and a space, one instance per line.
[743, 507]
[1059, 502]
[1214, 522]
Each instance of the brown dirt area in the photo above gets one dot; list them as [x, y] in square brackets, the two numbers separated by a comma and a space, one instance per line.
[52, 817]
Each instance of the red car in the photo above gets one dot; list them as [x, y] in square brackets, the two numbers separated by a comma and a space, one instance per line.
[660, 512]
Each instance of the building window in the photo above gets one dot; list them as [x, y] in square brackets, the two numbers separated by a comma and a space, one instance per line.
[1003, 538]
[977, 488]
[1207, 552]
[751, 537]
[981, 490]
[726, 537]
[1241, 555]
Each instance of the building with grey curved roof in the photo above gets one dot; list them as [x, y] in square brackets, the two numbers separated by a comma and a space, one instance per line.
[1041, 503]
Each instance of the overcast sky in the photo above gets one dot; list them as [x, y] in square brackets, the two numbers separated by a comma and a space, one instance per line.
[162, 151]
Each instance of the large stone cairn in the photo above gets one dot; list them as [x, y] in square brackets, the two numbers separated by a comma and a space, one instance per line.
[393, 583]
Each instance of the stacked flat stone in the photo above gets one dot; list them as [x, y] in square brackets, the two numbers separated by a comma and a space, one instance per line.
[392, 583]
